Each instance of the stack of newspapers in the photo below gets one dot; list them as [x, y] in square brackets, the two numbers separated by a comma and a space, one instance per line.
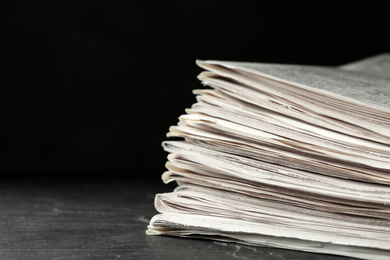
[288, 156]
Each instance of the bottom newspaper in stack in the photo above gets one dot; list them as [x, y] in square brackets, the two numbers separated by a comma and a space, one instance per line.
[287, 156]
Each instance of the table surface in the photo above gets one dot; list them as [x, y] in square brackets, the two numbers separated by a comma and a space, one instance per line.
[53, 219]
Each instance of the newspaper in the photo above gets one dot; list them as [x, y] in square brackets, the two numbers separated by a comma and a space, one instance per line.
[280, 155]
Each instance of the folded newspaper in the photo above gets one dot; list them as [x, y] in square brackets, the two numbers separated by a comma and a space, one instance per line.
[287, 156]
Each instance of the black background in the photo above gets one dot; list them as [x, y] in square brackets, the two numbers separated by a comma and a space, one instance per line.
[90, 88]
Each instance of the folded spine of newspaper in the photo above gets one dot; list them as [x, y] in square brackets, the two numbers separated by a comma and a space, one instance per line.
[288, 156]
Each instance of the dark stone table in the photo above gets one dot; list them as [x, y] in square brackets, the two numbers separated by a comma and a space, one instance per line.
[104, 219]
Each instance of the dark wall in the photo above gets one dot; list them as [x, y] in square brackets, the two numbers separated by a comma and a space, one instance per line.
[91, 87]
